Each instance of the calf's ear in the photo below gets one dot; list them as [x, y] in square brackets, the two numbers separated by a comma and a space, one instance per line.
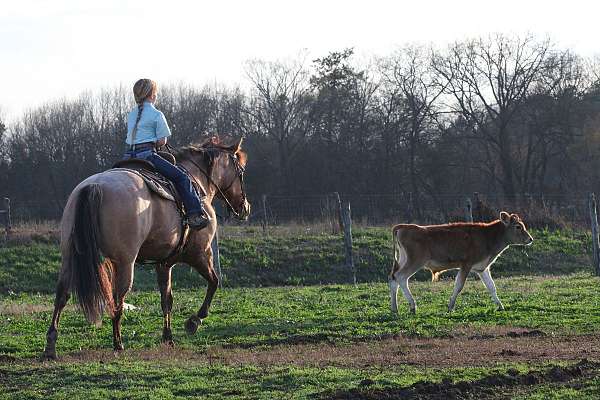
[514, 218]
[505, 218]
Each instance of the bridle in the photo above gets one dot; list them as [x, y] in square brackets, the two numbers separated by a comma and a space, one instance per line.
[240, 175]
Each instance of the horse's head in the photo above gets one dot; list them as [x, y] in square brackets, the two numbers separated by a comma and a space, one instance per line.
[223, 166]
[228, 168]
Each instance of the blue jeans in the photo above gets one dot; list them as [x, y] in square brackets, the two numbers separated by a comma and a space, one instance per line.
[180, 179]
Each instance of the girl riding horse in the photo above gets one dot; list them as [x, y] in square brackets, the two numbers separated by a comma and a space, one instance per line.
[147, 129]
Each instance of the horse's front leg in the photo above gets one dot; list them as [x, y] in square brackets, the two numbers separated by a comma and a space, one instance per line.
[163, 276]
[204, 265]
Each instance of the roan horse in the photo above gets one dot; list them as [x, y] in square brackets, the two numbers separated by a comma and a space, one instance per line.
[111, 219]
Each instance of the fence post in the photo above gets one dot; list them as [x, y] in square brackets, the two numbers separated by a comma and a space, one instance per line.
[595, 244]
[469, 211]
[217, 256]
[340, 222]
[347, 225]
[7, 221]
[410, 207]
[264, 207]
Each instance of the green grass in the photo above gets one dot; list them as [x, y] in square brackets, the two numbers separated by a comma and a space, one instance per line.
[335, 313]
[121, 379]
[249, 259]
[547, 287]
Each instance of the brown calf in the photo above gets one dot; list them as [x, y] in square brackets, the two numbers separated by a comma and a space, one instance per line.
[463, 246]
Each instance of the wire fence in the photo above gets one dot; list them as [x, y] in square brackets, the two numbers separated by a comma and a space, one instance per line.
[553, 211]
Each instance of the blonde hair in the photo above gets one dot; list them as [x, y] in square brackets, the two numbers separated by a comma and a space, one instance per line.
[143, 89]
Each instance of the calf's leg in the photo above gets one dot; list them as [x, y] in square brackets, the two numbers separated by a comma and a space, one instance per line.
[403, 281]
[487, 280]
[461, 277]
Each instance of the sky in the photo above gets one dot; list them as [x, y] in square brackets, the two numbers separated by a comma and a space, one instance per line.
[61, 48]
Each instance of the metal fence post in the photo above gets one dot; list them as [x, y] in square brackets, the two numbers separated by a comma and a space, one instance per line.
[347, 225]
[469, 210]
[595, 244]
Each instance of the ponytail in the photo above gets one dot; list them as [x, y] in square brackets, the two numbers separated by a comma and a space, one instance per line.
[137, 120]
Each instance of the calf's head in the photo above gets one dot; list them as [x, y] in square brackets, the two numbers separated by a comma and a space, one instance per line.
[515, 232]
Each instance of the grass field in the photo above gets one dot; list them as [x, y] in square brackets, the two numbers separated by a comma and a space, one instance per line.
[311, 340]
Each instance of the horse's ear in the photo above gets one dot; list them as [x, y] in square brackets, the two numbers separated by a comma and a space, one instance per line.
[237, 145]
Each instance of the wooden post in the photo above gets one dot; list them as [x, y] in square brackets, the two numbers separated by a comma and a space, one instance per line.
[217, 256]
[595, 244]
[7, 220]
[339, 217]
[347, 225]
[7, 213]
[264, 207]
[469, 210]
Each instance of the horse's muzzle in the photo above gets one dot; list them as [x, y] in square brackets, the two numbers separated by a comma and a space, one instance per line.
[244, 213]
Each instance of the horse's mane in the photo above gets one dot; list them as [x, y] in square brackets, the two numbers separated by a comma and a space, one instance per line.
[210, 149]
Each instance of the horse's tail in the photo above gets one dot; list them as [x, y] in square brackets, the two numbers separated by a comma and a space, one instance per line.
[91, 274]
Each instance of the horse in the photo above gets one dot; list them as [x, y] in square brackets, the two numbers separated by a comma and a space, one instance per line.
[112, 219]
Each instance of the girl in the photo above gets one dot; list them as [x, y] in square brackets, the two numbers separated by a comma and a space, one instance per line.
[147, 129]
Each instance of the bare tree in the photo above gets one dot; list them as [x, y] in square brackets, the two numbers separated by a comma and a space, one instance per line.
[278, 109]
[490, 79]
[410, 81]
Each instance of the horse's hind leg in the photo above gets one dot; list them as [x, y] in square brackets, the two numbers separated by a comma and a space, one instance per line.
[61, 299]
[122, 282]
[204, 266]
[163, 276]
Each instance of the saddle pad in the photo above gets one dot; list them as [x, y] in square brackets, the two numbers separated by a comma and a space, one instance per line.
[155, 183]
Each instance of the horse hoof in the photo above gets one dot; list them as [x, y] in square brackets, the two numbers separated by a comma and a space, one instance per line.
[119, 348]
[169, 343]
[48, 356]
[192, 324]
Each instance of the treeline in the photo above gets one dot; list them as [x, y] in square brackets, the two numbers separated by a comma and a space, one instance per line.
[503, 115]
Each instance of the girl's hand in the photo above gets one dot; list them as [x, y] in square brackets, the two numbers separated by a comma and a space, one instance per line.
[161, 142]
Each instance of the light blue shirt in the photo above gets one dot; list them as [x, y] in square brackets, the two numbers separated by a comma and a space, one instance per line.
[152, 125]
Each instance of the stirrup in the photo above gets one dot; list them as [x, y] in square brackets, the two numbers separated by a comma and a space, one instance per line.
[197, 221]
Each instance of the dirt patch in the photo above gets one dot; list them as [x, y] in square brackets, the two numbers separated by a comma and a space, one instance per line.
[493, 386]
[24, 309]
[399, 350]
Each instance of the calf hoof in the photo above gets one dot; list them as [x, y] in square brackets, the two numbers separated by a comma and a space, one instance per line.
[500, 308]
[192, 324]
[413, 311]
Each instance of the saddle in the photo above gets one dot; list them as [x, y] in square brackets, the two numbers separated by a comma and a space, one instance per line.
[155, 181]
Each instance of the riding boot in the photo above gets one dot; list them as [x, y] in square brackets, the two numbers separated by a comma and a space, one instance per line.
[198, 220]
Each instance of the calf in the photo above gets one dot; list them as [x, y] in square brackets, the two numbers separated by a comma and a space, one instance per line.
[462, 246]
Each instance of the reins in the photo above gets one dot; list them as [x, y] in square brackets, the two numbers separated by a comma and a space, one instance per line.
[240, 173]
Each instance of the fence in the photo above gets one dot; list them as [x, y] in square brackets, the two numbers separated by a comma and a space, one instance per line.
[537, 210]
[571, 210]
[333, 211]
